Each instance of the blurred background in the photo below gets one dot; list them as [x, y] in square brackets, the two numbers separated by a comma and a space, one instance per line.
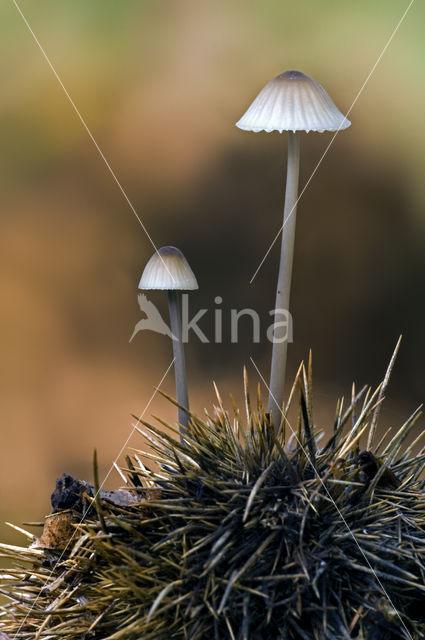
[160, 86]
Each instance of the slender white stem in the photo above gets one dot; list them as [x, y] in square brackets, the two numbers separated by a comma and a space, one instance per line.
[179, 361]
[280, 346]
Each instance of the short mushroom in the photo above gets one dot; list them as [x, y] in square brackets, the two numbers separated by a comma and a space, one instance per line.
[290, 102]
[169, 270]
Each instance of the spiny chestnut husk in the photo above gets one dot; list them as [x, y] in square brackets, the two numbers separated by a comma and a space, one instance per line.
[243, 532]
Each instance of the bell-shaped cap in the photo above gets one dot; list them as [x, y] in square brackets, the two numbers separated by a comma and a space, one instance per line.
[168, 269]
[293, 102]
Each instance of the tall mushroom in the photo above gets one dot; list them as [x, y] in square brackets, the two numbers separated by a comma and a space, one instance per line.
[169, 270]
[290, 102]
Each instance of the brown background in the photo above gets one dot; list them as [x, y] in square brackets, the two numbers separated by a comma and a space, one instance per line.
[160, 85]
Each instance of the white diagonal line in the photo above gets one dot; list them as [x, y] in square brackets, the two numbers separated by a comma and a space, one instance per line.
[371, 72]
[338, 510]
[138, 420]
[94, 498]
[92, 138]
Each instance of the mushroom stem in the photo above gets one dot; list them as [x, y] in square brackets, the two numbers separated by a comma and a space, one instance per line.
[179, 362]
[280, 347]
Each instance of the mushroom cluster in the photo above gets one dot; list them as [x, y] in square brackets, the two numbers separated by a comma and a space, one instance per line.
[242, 531]
[291, 102]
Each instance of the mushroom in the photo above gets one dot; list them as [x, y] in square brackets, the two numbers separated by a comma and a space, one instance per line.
[290, 102]
[169, 270]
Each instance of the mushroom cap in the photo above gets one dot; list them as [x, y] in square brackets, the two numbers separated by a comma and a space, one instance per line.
[168, 269]
[293, 102]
